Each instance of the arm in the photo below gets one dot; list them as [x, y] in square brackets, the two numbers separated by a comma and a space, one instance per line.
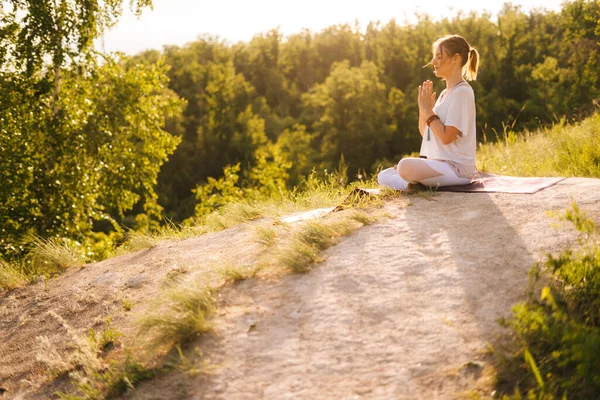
[446, 134]
[422, 122]
[423, 96]
[426, 100]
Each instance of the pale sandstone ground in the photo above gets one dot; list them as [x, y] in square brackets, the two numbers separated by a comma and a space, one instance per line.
[402, 309]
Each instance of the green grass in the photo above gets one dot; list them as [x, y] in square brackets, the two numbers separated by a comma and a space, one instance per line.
[364, 218]
[264, 234]
[232, 214]
[107, 338]
[47, 257]
[139, 240]
[127, 304]
[11, 275]
[180, 313]
[298, 256]
[118, 378]
[122, 376]
[232, 273]
[308, 240]
[563, 150]
[183, 363]
[53, 255]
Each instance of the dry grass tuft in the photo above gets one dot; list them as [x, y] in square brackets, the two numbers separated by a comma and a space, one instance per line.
[308, 240]
[11, 276]
[264, 234]
[181, 313]
[231, 273]
[84, 354]
[53, 255]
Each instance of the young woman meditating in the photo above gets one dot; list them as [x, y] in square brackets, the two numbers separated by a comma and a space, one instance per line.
[446, 125]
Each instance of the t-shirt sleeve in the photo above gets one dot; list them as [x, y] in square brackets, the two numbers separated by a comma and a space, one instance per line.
[461, 110]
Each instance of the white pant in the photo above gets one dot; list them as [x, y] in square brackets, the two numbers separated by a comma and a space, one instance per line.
[431, 173]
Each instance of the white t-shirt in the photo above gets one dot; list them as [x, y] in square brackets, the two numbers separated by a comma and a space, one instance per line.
[456, 109]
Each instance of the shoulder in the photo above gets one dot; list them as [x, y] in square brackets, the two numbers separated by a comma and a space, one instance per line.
[464, 88]
[465, 92]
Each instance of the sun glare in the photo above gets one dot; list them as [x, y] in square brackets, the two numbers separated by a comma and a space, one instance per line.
[176, 22]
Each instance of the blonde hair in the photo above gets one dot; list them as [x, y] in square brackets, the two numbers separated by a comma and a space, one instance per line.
[455, 44]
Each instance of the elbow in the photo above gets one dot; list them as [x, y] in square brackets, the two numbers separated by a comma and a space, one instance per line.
[448, 137]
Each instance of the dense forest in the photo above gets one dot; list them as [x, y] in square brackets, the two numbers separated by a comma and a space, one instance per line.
[92, 144]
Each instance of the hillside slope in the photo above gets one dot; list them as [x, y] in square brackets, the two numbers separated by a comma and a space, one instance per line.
[400, 309]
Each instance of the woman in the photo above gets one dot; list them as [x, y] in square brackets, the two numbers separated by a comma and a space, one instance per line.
[446, 125]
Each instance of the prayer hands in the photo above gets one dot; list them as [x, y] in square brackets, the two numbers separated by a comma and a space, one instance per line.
[426, 98]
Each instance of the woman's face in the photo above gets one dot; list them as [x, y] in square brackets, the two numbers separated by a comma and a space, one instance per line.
[440, 61]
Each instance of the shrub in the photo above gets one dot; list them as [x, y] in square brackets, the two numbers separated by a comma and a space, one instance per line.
[560, 333]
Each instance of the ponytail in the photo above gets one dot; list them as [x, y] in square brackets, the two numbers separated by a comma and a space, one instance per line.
[472, 65]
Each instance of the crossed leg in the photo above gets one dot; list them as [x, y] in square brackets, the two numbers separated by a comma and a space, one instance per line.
[419, 170]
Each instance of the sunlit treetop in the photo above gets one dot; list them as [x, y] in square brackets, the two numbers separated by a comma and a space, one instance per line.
[38, 33]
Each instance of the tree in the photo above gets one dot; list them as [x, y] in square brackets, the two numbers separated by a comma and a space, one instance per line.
[295, 146]
[81, 142]
[218, 126]
[348, 115]
[61, 30]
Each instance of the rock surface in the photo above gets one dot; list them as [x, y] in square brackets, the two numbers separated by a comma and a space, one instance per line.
[401, 309]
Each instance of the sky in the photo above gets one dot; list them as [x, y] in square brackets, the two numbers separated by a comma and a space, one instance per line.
[177, 22]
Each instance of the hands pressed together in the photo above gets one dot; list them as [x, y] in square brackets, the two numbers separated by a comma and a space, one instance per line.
[426, 98]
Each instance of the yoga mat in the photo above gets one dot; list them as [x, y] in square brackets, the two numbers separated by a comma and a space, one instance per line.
[490, 183]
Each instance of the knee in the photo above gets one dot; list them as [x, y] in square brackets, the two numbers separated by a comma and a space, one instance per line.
[406, 168]
[382, 177]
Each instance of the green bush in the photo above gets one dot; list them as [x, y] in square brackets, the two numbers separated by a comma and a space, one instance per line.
[560, 333]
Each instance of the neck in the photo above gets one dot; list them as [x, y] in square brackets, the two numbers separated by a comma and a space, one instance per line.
[454, 79]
